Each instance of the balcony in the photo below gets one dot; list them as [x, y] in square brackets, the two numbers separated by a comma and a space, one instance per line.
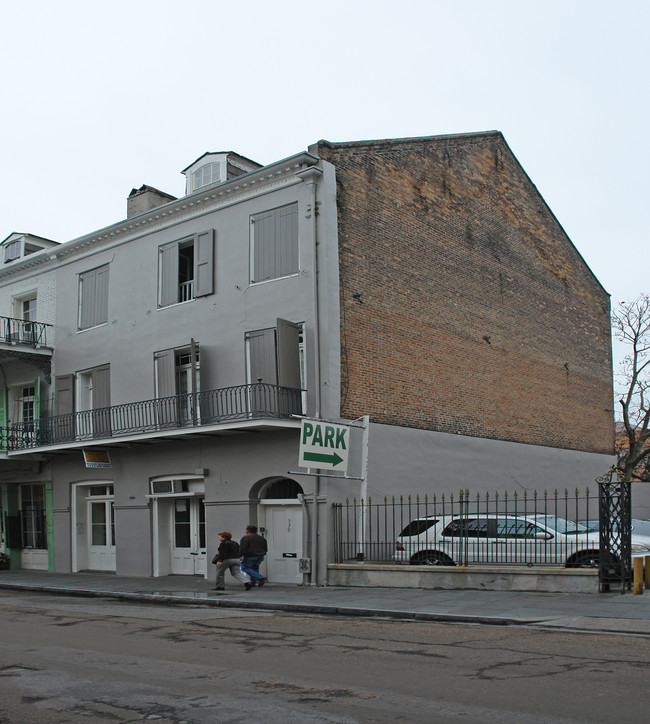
[27, 341]
[204, 410]
[23, 332]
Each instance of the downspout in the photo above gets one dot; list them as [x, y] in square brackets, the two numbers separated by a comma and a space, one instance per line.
[310, 176]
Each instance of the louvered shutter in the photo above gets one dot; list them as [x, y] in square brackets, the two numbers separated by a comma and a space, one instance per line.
[168, 271]
[204, 263]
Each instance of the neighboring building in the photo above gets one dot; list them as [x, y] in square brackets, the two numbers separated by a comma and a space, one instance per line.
[423, 282]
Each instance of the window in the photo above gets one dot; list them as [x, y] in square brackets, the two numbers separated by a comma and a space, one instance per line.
[28, 309]
[208, 174]
[186, 269]
[28, 403]
[32, 514]
[417, 527]
[274, 242]
[467, 527]
[93, 418]
[12, 250]
[273, 358]
[93, 297]
[177, 385]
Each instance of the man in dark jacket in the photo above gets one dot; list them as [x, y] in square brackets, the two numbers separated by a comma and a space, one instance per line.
[253, 548]
[227, 558]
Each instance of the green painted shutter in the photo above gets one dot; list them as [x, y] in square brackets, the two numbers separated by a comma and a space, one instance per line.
[3, 418]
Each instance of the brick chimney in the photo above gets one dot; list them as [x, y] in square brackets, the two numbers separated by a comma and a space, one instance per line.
[144, 199]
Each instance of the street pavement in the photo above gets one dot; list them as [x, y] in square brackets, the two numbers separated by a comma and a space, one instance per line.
[610, 612]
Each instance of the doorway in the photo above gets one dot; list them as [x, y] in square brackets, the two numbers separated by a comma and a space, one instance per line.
[280, 516]
[188, 550]
[93, 527]
[178, 525]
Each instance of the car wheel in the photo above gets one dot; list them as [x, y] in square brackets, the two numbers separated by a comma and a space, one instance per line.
[431, 558]
[584, 559]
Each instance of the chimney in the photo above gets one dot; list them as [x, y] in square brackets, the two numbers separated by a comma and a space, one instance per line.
[144, 199]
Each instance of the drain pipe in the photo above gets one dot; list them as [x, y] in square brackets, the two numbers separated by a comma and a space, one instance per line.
[310, 176]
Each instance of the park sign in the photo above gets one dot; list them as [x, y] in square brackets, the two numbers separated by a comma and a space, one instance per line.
[324, 445]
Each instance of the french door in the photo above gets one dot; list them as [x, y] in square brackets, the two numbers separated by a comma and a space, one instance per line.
[188, 550]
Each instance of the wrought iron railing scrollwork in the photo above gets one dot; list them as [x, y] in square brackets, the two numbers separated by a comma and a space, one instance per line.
[242, 402]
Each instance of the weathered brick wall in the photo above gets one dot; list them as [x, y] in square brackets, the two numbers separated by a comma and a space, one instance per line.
[476, 314]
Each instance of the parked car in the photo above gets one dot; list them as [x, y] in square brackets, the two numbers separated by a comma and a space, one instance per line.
[640, 535]
[498, 539]
[641, 527]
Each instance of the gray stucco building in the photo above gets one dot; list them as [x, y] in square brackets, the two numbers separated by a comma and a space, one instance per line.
[155, 371]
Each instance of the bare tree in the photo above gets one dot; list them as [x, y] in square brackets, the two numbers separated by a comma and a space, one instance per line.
[631, 325]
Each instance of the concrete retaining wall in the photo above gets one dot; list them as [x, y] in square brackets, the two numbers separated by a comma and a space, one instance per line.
[493, 578]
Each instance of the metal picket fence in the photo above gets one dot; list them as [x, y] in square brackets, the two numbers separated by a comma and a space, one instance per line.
[547, 528]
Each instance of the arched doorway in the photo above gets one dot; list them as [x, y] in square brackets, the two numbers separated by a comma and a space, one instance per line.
[280, 516]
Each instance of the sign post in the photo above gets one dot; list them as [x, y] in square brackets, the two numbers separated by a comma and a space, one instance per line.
[324, 445]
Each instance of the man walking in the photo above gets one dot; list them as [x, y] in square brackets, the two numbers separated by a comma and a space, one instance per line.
[253, 548]
[227, 559]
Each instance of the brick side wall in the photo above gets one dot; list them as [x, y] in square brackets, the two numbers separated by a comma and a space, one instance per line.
[474, 314]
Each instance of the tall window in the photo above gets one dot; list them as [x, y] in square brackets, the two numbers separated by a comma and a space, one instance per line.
[93, 297]
[274, 242]
[27, 404]
[32, 513]
[185, 269]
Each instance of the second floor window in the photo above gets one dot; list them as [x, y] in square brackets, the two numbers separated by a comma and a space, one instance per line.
[93, 297]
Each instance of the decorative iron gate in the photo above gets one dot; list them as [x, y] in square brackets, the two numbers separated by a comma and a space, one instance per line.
[615, 524]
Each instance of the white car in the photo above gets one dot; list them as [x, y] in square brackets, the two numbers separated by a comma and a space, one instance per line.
[501, 539]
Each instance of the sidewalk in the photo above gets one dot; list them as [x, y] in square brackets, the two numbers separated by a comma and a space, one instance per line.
[605, 612]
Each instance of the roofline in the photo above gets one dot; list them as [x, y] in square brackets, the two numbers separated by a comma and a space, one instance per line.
[473, 136]
[412, 139]
[228, 153]
[139, 224]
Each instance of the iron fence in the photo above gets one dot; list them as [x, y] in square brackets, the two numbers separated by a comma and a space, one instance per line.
[243, 402]
[530, 528]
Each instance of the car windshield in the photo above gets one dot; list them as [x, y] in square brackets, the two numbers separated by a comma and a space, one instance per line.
[562, 525]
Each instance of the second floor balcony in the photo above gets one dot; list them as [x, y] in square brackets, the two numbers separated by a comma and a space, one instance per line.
[148, 418]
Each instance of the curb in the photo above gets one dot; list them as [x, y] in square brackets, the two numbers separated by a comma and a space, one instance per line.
[314, 609]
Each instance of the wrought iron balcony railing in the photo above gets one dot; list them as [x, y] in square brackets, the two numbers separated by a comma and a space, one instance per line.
[21, 331]
[228, 404]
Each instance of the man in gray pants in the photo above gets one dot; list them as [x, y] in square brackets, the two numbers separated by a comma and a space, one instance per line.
[253, 548]
[227, 558]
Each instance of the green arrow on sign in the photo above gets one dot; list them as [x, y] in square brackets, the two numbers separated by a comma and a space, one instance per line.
[332, 458]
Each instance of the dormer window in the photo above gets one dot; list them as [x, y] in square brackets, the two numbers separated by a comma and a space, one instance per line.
[12, 250]
[214, 168]
[208, 174]
[16, 246]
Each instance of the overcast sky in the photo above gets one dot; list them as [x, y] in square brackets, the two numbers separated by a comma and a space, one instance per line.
[99, 98]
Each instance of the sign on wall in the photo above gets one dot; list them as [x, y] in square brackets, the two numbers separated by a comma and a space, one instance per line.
[324, 445]
[97, 459]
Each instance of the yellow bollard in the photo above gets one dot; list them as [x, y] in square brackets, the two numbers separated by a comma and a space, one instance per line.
[647, 572]
[638, 576]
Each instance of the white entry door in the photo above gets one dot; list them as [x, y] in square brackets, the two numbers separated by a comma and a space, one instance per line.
[283, 525]
[101, 532]
[188, 536]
